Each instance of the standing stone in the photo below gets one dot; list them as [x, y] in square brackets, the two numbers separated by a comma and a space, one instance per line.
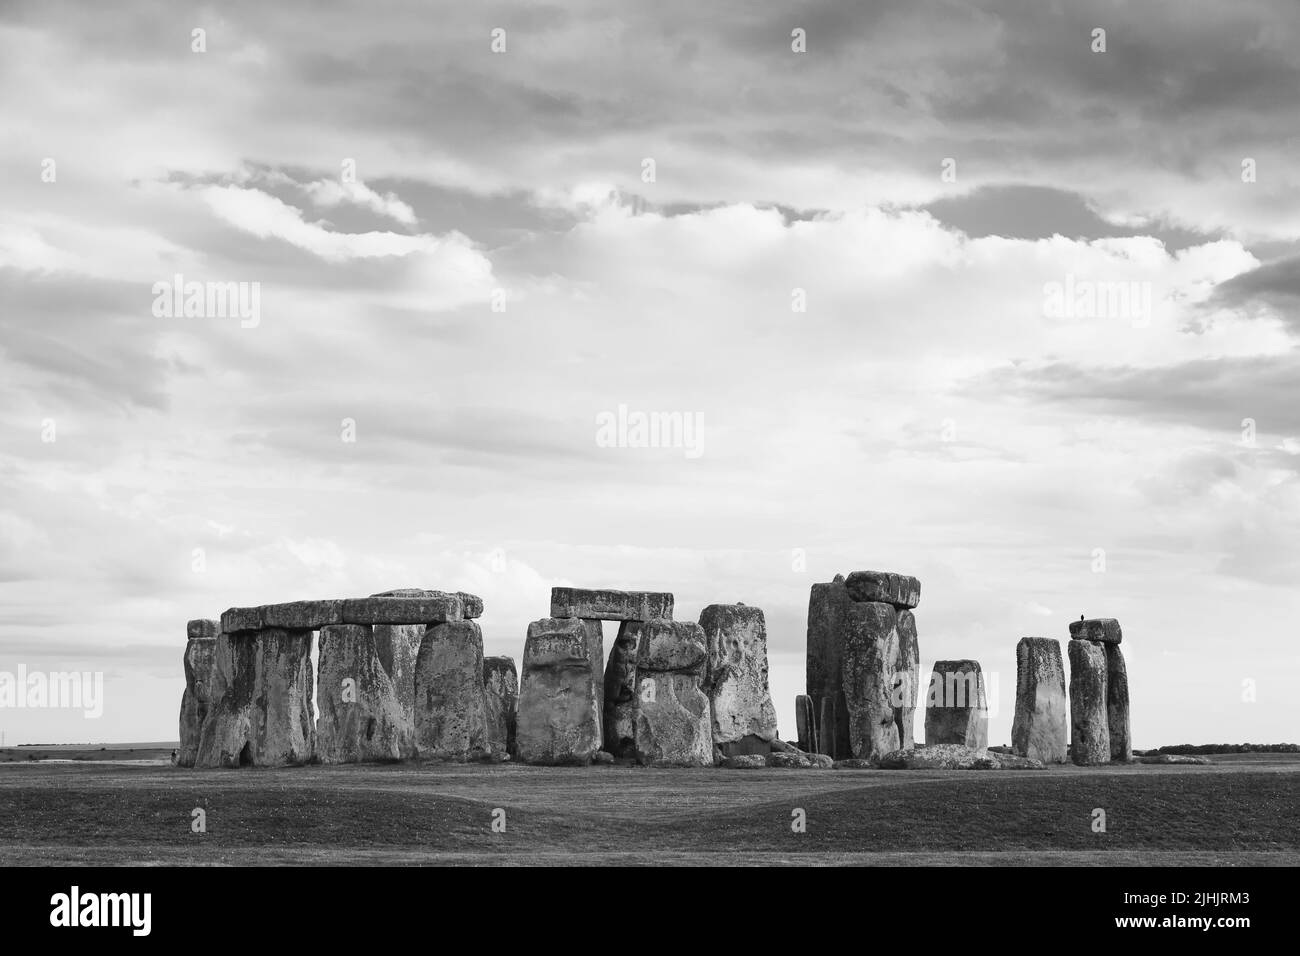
[956, 710]
[1038, 730]
[398, 646]
[673, 722]
[501, 690]
[261, 712]
[560, 694]
[907, 678]
[1121, 743]
[870, 651]
[361, 716]
[828, 609]
[450, 700]
[1090, 730]
[620, 692]
[736, 679]
[805, 724]
[200, 647]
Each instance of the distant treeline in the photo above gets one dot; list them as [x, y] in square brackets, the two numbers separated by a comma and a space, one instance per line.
[1227, 749]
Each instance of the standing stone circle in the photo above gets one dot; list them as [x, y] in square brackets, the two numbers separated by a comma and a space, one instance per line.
[956, 710]
[1039, 729]
[736, 679]
[1089, 727]
[361, 716]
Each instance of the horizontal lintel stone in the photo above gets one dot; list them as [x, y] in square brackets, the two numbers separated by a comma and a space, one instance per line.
[605, 605]
[1103, 629]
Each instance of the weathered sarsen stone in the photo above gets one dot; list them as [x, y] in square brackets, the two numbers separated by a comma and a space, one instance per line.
[450, 699]
[956, 710]
[673, 723]
[1039, 728]
[361, 715]
[471, 604]
[560, 695]
[736, 678]
[261, 712]
[1117, 711]
[398, 645]
[620, 692]
[1103, 629]
[605, 605]
[907, 678]
[805, 724]
[200, 648]
[884, 587]
[1090, 730]
[501, 698]
[828, 609]
[871, 650]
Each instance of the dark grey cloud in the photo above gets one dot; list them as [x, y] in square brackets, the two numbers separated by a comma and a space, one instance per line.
[1039, 212]
[1215, 394]
[1274, 284]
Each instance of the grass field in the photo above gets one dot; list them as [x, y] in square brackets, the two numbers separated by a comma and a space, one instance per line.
[1243, 809]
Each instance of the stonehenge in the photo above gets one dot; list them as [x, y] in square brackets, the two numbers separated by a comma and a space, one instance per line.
[1038, 730]
[956, 710]
[401, 675]
[863, 662]
[250, 695]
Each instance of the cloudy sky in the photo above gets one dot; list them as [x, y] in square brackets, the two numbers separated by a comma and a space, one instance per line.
[844, 265]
